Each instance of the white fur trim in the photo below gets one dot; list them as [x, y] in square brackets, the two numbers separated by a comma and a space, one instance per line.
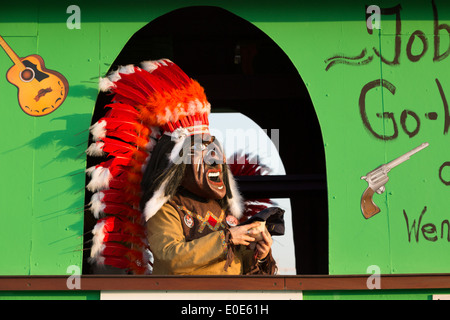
[235, 203]
[157, 201]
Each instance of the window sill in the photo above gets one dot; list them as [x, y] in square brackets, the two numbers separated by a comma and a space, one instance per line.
[283, 283]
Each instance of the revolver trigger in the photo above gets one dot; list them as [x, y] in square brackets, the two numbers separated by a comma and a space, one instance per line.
[381, 190]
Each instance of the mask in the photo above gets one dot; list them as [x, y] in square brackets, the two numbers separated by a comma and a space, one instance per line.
[204, 172]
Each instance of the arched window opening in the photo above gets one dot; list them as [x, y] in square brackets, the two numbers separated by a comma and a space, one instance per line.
[244, 72]
[241, 136]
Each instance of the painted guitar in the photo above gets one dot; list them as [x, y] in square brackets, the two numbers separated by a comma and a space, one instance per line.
[40, 91]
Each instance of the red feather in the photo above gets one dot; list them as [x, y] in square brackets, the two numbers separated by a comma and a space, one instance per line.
[122, 211]
[118, 196]
[115, 165]
[116, 224]
[115, 250]
[117, 148]
[138, 81]
[122, 237]
[114, 124]
[129, 93]
[117, 262]
[121, 111]
[242, 165]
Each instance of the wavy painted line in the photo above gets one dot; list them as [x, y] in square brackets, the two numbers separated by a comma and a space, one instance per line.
[340, 59]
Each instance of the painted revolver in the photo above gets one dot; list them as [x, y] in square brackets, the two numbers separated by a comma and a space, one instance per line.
[378, 178]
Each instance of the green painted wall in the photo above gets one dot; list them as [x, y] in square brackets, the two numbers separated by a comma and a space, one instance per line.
[50, 295]
[42, 162]
[352, 150]
[373, 295]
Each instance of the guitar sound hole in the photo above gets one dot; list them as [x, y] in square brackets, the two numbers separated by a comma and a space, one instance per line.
[27, 75]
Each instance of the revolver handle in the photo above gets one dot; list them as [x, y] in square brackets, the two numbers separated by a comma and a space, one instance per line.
[368, 207]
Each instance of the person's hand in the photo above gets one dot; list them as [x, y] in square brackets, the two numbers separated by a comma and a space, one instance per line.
[263, 246]
[242, 235]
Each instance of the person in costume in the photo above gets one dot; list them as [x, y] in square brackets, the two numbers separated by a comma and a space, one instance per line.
[165, 192]
[194, 232]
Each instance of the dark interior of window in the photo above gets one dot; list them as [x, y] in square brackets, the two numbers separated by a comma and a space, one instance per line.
[243, 70]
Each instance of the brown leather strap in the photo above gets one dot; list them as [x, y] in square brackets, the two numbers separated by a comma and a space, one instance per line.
[230, 251]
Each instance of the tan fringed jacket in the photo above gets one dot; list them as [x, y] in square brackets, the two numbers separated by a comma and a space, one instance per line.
[187, 236]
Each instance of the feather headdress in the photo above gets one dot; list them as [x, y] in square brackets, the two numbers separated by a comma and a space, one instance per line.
[155, 100]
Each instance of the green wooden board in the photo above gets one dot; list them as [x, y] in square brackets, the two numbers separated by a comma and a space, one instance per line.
[42, 162]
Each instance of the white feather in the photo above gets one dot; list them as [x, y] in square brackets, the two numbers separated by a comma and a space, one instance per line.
[257, 203]
[95, 149]
[105, 84]
[100, 178]
[235, 203]
[99, 235]
[98, 261]
[150, 145]
[96, 205]
[148, 258]
[152, 65]
[164, 62]
[98, 130]
[168, 116]
[129, 68]
[144, 165]
[114, 76]
[149, 66]
[156, 132]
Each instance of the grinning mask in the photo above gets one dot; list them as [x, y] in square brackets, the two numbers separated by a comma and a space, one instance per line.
[204, 173]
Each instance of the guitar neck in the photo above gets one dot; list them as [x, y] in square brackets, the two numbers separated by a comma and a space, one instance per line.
[10, 52]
